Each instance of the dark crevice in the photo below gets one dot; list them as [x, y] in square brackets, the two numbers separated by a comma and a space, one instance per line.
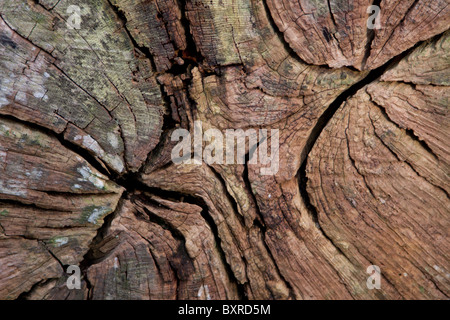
[67, 194]
[248, 186]
[104, 166]
[54, 64]
[303, 180]
[436, 284]
[86, 155]
[370, 38]
[91, 257]
[141, 49]
[145, 51]
[174, 116]
[98, 164]
[332, 34]
[259, 220]
[230, 198]
[186, 59]
[409, 132]
[63, 266]
[181, 67]
[326, 116]
[154, 218]
[191, 55]
[26, 295]
[191, 52]
[214, 230]
[262, 228]
[280, 34]
[287, 46]
[176, 234]
[322, 123]
[133, 184]
[181, 197]
[331, 13]
[169, 123]
[395, 28]
[54, 6]
[177, 278]
[15, 203]
[191, 58]
[412, 136]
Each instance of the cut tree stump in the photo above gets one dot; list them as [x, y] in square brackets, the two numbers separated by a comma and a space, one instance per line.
[87, 179]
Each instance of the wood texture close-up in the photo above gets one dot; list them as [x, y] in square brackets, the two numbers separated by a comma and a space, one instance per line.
[90, 101]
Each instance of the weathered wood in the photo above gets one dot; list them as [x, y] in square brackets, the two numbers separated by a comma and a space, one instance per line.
[115, 109]
[335, 32]
[379, 177]
[87, 178]
[51, 202]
